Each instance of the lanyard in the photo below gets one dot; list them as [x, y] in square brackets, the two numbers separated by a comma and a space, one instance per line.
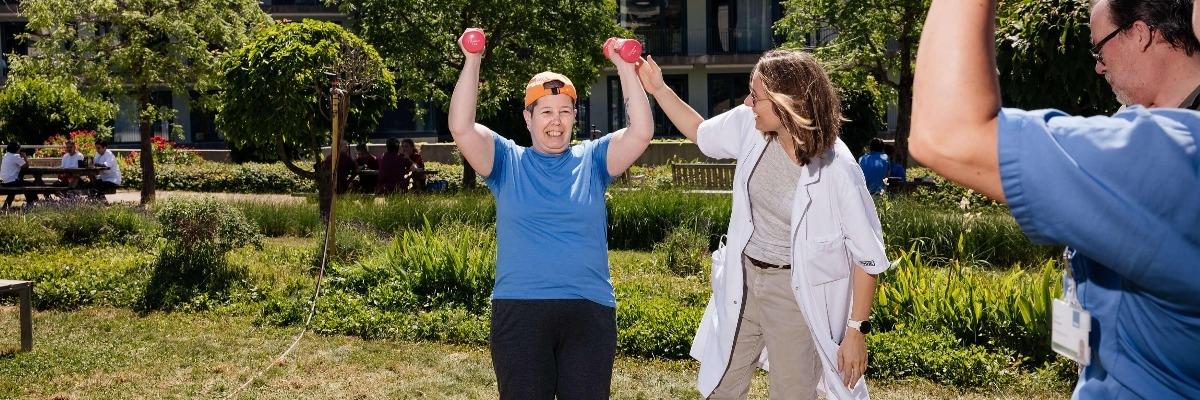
[1069, 288]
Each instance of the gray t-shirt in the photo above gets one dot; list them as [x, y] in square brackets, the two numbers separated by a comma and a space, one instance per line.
[772, 188]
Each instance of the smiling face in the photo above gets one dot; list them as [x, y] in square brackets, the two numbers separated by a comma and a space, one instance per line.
[550, 120]
[765, 118]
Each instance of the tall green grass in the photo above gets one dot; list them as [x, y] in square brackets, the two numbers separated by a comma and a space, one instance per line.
[1007, 310]
[983, 237]
[82, 224]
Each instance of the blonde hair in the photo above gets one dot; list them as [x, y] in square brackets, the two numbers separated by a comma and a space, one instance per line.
[804, 99]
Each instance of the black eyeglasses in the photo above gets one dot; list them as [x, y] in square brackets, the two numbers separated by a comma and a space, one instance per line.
[1095, 50]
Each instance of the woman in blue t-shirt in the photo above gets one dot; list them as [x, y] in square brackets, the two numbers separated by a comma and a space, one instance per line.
[553, 320]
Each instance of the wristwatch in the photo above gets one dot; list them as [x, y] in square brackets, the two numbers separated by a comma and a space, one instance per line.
[861, 326]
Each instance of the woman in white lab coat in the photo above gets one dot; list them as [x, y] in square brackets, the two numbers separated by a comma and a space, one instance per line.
[793, 286]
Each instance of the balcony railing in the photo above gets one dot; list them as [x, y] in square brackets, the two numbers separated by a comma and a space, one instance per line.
[662, 41]
[739, 41]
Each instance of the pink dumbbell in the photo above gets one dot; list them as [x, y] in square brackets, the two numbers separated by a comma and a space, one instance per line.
[474, 40]
[629, 49]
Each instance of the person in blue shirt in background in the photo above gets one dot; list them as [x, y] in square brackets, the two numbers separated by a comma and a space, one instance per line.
[1120, 190]
[553, 323]
[875, 166]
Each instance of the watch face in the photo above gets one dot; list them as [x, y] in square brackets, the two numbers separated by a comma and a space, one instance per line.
[865, 328]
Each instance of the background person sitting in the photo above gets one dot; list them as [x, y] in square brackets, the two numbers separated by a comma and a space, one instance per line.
[12, 167]
[71, 158]
[394, 169]
[366, 161]
[409, 149]
[346, 168]
[110, 179]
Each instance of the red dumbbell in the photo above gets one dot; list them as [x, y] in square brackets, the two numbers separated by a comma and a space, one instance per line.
[629, 49]
[474, 40]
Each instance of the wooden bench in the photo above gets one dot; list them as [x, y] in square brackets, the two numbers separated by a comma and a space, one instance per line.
[703, 176]
[897, 186]
[24, 289]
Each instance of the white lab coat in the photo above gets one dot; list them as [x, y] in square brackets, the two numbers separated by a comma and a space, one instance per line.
[834, 225]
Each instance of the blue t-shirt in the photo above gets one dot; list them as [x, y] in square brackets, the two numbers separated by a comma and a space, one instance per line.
[551, 222]
[875, 167]
[1124, 192]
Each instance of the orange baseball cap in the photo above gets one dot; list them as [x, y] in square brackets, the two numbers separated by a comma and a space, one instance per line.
[548, 84]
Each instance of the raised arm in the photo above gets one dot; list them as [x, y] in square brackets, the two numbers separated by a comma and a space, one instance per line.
[474, 141]
[956, 95]
[682, 115]
[629, 143]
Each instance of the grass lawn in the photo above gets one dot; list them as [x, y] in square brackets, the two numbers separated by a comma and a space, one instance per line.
[106, 353]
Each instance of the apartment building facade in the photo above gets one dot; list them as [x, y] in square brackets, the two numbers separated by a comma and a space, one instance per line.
[706, 49]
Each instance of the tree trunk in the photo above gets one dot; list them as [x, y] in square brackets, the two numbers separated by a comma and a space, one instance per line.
[904, 102]
[468, 179]
[147, 152]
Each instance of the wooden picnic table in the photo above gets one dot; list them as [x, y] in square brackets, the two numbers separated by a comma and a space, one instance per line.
[39, 172]
[24, 289]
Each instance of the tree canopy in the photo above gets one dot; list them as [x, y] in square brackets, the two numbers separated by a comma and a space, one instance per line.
[135, 47]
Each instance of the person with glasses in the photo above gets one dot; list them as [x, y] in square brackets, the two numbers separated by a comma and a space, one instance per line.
[1119, 191]
[795, 283]
[553, 322]
[1147, 52]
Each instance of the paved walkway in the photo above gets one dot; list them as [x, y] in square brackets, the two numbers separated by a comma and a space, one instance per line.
[134, 196]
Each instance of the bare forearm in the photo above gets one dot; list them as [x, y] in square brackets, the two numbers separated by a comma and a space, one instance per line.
[864, 294]
[461, 118]
[637, 104]
[682, 115]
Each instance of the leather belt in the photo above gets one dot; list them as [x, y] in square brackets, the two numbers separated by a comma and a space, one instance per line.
[766, 265]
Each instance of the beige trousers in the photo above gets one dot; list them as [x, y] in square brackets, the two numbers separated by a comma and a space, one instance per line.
[771, 318]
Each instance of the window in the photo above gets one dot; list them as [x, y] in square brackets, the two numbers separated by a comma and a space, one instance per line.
[742, 26]
[660, 24]
[726, 91]
[402, 121]
[662, 125]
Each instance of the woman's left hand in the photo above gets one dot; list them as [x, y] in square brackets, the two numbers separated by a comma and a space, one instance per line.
[852, 357]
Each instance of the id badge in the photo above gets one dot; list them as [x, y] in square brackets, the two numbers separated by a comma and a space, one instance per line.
[1069, 331]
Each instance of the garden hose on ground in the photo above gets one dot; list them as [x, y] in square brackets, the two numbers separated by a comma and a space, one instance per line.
[339, 114]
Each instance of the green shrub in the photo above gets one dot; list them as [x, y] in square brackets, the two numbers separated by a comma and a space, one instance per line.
[984, 237]
[191, 268]
[72, 277]
[450, 266]
[449, 325]
[937, 356]
[407, 211]
[278, 219]
[997, 310]
[947, 195]
[21, 232]
[656, 327]
[637, 220]
[685, 252]
[88, 224]
[207, 176]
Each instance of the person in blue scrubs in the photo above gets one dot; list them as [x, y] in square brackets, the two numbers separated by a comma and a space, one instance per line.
[1121, 191]
[553, 320]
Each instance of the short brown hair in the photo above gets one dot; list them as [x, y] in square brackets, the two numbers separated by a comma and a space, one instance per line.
[805, 100]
